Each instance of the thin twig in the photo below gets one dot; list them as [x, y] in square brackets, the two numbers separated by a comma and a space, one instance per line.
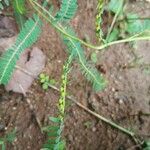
[132, 19]
[95, 114]
[25, 71]
[114, 125]
[50, 19]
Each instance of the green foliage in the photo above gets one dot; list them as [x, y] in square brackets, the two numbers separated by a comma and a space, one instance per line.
[54, 141]
[67, 10]
[10, 137]
[74, 48]
[25, 39]
[30, 32]
[100, 9]
[19, 6]
[19, 12]
[114, 5]
[127, 24]
[89, 71]
[21, 19]
[4, 3]
[54, 132]
[113, 35]
[135, 25]
[45, 81]
[94, 57]
[147, 69]
[146, 145]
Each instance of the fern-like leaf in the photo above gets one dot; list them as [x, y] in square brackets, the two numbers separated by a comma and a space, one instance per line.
[19, 12]
[20, 19]
[19, 6]
[25, 39]
[54, 132]
[74, 48]
[54, 141]
[91, 73]
[67, 10]
[49, 6]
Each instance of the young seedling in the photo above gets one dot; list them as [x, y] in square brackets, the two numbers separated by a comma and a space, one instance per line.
[124, 24]
[46, 81]
[31, 30]
[8, 138]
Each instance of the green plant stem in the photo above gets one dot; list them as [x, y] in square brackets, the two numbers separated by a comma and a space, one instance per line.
[58, 27]
[109, 122]
[37, 6]
[126, 131]
[114, 125]
[133, 38]
[48, 17]
[114, 20]
[143, 18]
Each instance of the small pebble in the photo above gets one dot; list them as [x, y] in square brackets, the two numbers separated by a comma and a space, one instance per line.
[14, 108]
[113, 89]
[94, 129]
[120, 101]
[59, 61]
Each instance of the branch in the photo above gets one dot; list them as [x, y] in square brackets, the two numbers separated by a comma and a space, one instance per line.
[109, 122]
[48, 17]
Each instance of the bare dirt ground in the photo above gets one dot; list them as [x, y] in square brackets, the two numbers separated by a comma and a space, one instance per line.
[124, 100]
